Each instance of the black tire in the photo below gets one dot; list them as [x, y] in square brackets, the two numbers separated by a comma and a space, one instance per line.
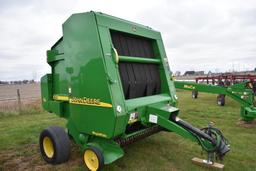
[194, 94]
[60, 144]
[99, 155]
[221, 100]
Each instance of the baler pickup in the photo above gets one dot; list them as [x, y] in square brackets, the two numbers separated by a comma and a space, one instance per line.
[110, 81]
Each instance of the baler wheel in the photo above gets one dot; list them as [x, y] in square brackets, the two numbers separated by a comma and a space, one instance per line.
[194, 94]
[93, 158]
[54, 145]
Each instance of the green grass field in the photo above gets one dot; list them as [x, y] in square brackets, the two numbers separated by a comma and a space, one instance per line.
[163, 151]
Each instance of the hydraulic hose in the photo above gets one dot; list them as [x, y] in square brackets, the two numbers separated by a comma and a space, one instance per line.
[193, 129]
[211, 134]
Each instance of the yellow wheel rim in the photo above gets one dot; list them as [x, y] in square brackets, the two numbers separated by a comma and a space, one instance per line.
[48, 147]
[91, 160]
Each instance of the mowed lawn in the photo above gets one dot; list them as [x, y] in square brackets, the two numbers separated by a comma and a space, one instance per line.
[163, 151]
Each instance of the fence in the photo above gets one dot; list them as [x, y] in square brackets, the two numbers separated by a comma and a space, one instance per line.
[19, 98]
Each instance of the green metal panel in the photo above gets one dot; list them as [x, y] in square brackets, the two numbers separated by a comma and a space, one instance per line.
[88, 78]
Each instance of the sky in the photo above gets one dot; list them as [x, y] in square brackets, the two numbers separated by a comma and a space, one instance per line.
[217, 35]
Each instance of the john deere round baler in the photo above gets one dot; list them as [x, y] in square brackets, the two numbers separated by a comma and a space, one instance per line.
[110, 80]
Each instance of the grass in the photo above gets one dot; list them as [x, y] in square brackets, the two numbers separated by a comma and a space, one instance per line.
[163, 151]
[8, 108]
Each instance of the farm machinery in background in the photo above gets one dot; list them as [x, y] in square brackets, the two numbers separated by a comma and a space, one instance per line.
[110, 82]
[228, 80]
[241, 88]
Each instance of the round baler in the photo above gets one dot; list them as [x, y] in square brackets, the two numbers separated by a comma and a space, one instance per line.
[109, 79]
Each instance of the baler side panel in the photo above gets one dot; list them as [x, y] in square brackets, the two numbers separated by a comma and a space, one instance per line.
[87, 76]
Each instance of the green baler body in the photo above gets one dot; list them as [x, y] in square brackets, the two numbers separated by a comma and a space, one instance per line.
[85, 86]
[83, 67]
[92, 85]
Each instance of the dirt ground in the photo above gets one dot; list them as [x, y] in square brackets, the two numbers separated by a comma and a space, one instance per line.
[28, 158]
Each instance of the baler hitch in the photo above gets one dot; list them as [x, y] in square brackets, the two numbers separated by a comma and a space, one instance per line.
[210, 138]
[211, 134]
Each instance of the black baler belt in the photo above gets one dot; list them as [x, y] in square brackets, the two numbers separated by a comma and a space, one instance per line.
[139, 80]
[131, 45]
[132, 84]
[124, 78]
[150, 85]
[155, 77]
[158, 79]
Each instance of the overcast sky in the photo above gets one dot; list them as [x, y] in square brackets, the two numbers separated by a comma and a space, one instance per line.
[214, 35]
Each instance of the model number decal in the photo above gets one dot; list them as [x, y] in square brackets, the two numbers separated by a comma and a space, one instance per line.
[82, 101]
[89, 101]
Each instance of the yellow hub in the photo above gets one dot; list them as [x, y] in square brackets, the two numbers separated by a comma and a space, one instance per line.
[91, 160]
[48, 147]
